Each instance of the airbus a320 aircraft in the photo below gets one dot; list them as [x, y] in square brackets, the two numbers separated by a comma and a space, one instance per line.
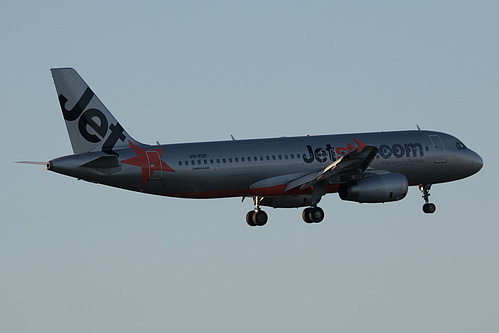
[279, 172]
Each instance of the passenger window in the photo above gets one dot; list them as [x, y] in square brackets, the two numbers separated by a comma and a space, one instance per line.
[205, 162]
[280, 157]
[230, 160]
[268, 158]
[218, 161]
[211, 161]
[199, 162]
[292, 156]
[180, 163]
[192, 162]
[242, 159]
[273, 157]
[224, 160]
[286, 156]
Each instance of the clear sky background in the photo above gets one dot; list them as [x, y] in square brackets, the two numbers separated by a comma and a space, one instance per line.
[80, 257]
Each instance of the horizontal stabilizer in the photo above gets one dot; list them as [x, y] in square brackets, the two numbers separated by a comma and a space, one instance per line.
[103, 162]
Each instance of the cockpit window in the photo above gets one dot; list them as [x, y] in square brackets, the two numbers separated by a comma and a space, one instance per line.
[460, 146]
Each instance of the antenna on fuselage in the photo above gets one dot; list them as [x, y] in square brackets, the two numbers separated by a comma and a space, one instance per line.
[419, 129]
[232, 137]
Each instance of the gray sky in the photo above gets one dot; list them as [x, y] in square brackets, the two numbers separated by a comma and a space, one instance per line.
[82, 257]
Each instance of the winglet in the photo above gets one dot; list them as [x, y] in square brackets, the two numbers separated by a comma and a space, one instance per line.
[360, 145]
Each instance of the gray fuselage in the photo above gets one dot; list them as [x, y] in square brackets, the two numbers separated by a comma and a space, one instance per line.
[241, 167]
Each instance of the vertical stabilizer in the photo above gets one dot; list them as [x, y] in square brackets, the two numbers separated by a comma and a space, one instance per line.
[90, 125]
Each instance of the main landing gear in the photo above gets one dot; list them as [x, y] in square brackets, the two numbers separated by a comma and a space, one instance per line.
[313, 215]
[428, 208]
[257, 217]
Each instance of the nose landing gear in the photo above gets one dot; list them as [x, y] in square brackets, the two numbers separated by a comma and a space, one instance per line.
[428, 208]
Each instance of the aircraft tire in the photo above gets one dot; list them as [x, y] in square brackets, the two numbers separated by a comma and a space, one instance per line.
[306, 215]
[429, 208]
[260, 218]
[316, 214]
[249, 218]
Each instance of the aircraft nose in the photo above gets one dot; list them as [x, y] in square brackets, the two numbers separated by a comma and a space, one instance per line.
[476, 162]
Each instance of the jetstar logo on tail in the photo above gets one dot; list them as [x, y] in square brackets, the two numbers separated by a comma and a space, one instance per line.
[94, 119]
[147, 164]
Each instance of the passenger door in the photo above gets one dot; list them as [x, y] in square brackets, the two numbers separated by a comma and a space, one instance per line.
[438, 148]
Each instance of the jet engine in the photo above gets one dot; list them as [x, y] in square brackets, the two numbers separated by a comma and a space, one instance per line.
[375, 189]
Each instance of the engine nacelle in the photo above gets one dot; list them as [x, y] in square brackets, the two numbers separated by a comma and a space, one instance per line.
[375, 189]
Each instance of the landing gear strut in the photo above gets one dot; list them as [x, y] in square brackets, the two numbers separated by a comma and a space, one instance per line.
[428, 207]
[256, 217]
[313, 215]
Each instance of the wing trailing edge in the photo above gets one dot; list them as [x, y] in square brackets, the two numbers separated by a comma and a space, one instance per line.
[354, 162]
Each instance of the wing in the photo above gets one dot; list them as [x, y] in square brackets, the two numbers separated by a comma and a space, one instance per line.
[354, 162]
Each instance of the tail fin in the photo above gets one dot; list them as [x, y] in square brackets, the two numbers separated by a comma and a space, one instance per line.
[91, 127]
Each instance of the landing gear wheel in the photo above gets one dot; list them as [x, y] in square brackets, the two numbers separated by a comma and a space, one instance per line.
[429, 208]
[249, 218]
[260, 218]
[306, 215]
[256, 217]
[316, 214]
[313, 215]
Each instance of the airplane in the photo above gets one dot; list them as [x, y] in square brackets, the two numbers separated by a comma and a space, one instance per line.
[282, 172]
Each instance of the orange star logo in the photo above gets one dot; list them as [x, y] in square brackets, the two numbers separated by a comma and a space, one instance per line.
[148, 160]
